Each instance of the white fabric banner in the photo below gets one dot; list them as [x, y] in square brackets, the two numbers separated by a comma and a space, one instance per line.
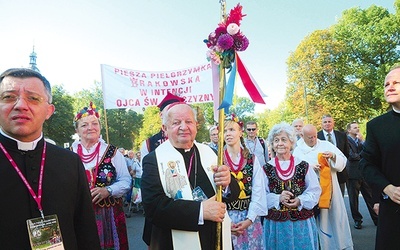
[134, 89]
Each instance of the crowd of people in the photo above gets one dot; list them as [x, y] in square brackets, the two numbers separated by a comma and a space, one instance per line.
[282, 192]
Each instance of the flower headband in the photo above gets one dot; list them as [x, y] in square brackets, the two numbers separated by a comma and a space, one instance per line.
[234, 118]
[86, 111]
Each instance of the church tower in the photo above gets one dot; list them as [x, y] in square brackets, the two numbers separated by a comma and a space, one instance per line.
[32, 62]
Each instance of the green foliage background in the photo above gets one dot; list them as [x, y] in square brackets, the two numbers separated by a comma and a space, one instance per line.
[339, 70]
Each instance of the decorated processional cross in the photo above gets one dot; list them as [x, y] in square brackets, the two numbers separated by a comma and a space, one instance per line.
[223, 44]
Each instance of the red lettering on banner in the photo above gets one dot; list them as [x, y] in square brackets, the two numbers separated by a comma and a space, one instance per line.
[174, 82]
[208, 98]
[199, 98]
[175, 91]
[195, 70]
[174, 74]
[133, 82]
[150, 101]
[129, 73]
[143, 92]
[127, 103]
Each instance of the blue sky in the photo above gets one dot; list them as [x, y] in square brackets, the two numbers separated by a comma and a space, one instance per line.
[72, 38]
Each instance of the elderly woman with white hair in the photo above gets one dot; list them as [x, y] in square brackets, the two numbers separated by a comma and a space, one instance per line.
[292, 192]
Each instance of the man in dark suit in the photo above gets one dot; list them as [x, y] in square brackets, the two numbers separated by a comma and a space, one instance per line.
[356, 182]
[338, 139]
[178, 185]
[380, 163]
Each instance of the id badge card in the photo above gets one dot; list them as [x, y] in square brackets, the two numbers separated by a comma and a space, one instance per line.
[45, 233]
[198, 194]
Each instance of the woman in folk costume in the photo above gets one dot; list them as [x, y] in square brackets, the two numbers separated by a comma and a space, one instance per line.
[108, 178]
[292, 192]
[246, 211]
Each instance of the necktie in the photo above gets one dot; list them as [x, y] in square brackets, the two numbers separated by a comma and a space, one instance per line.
[330, 138]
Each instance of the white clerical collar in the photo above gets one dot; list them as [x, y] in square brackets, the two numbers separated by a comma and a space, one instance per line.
[396, 110]
[24, 146]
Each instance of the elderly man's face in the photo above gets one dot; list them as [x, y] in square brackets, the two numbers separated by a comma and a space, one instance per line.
[310, 138]
[214, 136]
[328, 123]
[181, 126]
[298, 128]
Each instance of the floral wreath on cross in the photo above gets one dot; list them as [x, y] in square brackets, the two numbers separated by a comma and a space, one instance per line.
[227, 39]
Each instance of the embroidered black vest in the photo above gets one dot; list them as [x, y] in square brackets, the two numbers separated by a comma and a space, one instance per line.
[296, 185]
[106, 175]
[247, 171]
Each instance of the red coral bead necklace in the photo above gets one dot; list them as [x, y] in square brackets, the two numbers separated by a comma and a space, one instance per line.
[90, 157]
[234, 167]
[288, 172]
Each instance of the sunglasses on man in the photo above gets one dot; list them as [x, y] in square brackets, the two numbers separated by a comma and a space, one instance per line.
[251, 129]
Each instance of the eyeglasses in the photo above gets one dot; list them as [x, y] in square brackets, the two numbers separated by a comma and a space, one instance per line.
[11, 98]
[251, 129]
[214, 134]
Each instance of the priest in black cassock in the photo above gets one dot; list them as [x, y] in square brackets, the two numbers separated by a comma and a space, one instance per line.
[380, 163]
[45, 194]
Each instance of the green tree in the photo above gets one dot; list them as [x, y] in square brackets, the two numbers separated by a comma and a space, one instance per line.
[314, 70]
[340, 70]
[243, 107]
[59, 126]
[208, 112]
[371, 39]
[151, 125]
[121, 125]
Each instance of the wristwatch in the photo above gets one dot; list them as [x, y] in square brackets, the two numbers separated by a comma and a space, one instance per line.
[109, 190]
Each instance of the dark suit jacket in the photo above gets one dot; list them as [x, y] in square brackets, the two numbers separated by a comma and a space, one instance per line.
[380, 158]
[65, 193]
[166, 213]
[380, 167]
[354, 159]
[343, 145]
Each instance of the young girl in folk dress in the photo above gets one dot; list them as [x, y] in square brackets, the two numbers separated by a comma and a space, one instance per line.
[246, 211]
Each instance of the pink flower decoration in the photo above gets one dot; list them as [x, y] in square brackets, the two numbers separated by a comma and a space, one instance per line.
[225, 41]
